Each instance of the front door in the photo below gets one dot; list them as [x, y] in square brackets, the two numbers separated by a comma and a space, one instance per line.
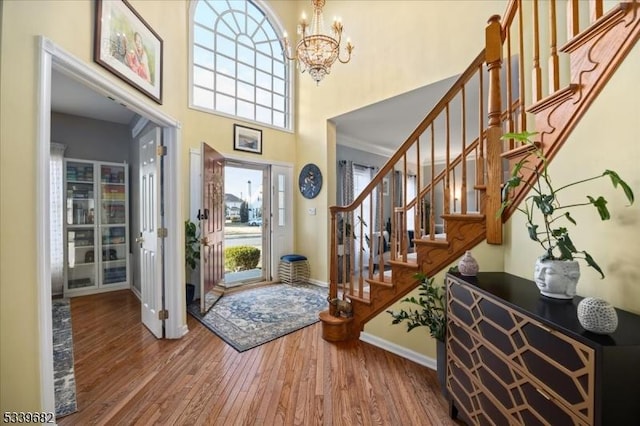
[150, 246]
[212, 224]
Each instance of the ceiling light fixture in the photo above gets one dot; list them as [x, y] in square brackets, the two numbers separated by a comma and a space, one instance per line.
[317, 51]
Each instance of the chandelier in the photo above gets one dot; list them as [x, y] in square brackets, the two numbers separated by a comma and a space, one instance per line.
[317, 51]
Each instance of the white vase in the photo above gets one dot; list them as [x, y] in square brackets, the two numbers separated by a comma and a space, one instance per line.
[597, 315]
[468, 266]
[557, 278]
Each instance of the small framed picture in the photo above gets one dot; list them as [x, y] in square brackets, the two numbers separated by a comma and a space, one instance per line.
[247, 139]
[128, 47]
[385, 187]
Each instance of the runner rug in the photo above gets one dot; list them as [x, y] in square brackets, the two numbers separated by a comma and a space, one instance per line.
[250, 318]
[64, 384]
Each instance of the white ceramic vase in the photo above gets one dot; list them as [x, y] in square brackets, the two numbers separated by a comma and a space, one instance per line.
[557, 278]
[468, 266]
[597, 315]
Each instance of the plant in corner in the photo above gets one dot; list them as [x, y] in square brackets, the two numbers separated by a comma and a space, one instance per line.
[431, 314]
[557, 270]
[191, 253]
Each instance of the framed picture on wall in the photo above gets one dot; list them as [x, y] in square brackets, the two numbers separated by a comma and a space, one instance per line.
[385, 186]
[247, 139]
[128, 47]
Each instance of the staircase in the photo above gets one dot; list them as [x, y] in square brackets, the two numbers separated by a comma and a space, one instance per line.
[543, 65]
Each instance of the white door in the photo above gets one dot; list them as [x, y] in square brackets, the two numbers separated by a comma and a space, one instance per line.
[281, 213]
[151, 284]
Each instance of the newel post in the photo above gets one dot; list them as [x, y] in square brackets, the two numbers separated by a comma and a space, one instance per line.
[493, 57]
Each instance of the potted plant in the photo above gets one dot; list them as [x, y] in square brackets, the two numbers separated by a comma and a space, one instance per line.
[431, 314]
[557, 270]
[191, 254]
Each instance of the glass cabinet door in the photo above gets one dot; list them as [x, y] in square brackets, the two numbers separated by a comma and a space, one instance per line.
[81, 243]
[113, 224]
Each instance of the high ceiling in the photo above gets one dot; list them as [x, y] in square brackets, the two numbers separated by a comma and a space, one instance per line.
[380, 127]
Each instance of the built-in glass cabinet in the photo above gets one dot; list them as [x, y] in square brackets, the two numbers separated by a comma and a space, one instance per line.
[96, 227]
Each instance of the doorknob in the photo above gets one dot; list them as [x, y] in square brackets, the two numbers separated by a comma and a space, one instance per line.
[140, 240]
[204, 241]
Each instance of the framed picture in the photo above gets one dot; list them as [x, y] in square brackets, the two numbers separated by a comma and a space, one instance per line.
[247, 139]
[385, 186]
[128, 47]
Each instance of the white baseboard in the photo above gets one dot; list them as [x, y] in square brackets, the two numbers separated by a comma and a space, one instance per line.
[318, 283]
[414, 356]
[137, 293]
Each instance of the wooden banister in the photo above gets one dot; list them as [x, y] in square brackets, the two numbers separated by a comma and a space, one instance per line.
[372, 265]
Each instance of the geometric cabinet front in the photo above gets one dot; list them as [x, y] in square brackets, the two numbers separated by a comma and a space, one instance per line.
[507, 368]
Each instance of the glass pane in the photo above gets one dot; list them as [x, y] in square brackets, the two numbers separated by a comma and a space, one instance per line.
[263, 97]
[202, 57]
[203, 77]
[225, 65]
[246, 91]
[263, 114]
[278, 86]
[278, 102]
[225, 46]
[225, 84]
[263, 80]
[279, 69]
[114, 254]
[204, 15]
[202, 98]
[225, 104]
[263, 62]
[246, 55]
[80, 258]
[246, 73]
[203, 36]
[246, 109]
[261, 40]
[278, 119]
[229, 29]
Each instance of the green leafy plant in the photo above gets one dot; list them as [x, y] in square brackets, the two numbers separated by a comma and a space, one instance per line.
[432, 312]
[191, 244]
[241, 258]
[552, 234]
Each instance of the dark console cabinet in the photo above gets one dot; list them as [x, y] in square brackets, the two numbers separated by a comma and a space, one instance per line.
[517, 357]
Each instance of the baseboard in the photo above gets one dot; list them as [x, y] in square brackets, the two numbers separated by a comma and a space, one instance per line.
[137, 293]
[414, 356]
[318, 283]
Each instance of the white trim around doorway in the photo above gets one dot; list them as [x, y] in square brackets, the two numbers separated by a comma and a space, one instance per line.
[52, 56]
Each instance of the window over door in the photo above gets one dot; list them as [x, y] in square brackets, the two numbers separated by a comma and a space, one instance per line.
[237, 63]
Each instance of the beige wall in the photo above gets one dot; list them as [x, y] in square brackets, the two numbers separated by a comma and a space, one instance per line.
[69, 24]
[605, 138]
[400, 45]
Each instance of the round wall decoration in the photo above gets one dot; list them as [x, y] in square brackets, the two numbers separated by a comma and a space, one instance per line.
[310, 181]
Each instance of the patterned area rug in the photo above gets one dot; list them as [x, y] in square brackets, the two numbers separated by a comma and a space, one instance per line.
[250, 318]
[63, 374]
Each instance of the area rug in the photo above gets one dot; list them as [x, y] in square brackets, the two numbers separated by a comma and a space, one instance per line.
[63, 373]
[250, 318]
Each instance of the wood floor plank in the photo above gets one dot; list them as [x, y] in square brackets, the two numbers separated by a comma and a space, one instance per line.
[125, 376]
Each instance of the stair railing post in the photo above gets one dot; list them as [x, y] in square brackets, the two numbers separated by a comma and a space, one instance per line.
[493, 55]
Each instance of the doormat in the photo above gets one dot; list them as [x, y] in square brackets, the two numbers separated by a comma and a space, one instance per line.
[250, 318]
[64, 379]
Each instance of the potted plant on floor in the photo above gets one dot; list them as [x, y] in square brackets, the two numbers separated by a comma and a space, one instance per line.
[432, 314]
[191, 255]
[557, 270]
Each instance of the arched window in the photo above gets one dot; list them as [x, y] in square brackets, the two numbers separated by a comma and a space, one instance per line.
[237, 66]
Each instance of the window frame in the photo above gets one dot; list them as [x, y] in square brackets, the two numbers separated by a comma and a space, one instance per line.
[288, 79]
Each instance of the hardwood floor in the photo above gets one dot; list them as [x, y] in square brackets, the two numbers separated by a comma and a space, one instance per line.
[125, 376]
